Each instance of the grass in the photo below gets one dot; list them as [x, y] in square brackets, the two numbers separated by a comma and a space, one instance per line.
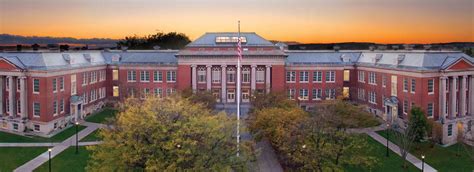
[13, 157]
[385, 164]
[13, 138]
[102, 116]
[451, 158]
[94, 136]
[68, 160]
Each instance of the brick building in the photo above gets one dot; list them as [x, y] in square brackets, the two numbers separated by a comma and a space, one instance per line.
[44, 91]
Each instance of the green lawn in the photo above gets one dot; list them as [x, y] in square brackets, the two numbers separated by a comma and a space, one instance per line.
[102, 116]
[13, 138]
[68, 160]
[385, 164]
[94, 136]
[11, 158]
[452, 158]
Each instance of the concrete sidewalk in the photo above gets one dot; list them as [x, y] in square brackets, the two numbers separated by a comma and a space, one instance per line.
[57, 149]
[410, 158]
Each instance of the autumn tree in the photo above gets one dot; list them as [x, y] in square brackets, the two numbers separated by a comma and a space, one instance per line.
[419, 124]
[169, 134]
[203, 97]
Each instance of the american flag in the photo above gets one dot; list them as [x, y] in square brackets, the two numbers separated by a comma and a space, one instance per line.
[239, 47]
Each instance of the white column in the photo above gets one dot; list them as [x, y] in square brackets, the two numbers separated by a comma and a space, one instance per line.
[11, 95]
[23, 96]
[462, 103]
[224, 84]
[208, 77]
[471, 95]
[453, 94]
[193, 82]
[267, 78]
[470, 106]
[1, 95]
[442, 95]
[252, 79]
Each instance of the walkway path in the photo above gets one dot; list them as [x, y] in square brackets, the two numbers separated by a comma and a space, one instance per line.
[267, 159]
[45, 144]
[410, 158]
[58, 148]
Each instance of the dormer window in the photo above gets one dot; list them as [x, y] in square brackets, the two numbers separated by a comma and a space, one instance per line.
[345, 58]
[400, 58]
[87, 57]
[115, 58]
[378, 57]
[67, 58]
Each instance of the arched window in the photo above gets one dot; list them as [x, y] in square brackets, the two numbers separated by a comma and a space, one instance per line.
[201, 74]
[216, 74]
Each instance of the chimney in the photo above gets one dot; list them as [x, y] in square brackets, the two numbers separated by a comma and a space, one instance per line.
[19, 47]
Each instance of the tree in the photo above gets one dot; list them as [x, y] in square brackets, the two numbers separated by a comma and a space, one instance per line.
[171, 40]
[419, 122]
[205, 98]
[169, 134]
[405, 137]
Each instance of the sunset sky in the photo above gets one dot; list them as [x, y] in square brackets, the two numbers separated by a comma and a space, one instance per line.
[318, 21]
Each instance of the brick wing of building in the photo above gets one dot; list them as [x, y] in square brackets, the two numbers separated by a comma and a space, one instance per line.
[43, 92]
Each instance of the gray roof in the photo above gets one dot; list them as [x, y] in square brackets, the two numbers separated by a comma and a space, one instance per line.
[231, 53]
[209, 39]
[321, 57]
[54, 60]
[165, 57]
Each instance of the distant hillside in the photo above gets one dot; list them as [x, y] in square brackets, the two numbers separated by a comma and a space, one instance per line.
[368, 45]
[7, 39]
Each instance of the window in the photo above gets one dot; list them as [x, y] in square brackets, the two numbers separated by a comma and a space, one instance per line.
[230, 95]
[61, 83]
[290, 76]
[7, 105]
[36, 109]
[7, 83]
[36, 86]
[372, 98]
[18, 84]
[15, 126]
[201, 72]
[394, 91]
[260, 75]
[317, 76]
[158, 92]
[73, 85]
[102, 75]
[170, 91]
[93, 95]
[303, 94]
[291, 94]
[61, 106]
[245, 95]
[304, 76]
[55, 108]
[93, 77]
[54, 85]
[86, 98]
[430, 86]
[131, 76]
[245, 75]
[405, 85]
[144, 76]
[372, 78]
[450, 129]
[146, 92]
[216, 75]
[347, 75]
[405, 107]
[230, 75]
[330, 76]
[384, 81]
[37, 127]
[84, 78]
[361, 76]
[157, 76]
[171, 76]
[116, 91]
[413, 85]
[317, 94]
[361, 94]
[330, 94]
[18, 107]
[115, 74]
[429, 110]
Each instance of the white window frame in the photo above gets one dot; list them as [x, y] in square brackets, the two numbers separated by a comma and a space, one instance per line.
[38, 86]
[317, 76]
[361, 76]
[332, 76]
[432, 86]
[290, 76]
[171, 76]
[144, 76]
[304, 77]
[303, 94]
[131, 76]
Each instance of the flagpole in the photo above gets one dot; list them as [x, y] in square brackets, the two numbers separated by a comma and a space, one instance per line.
[238, 91]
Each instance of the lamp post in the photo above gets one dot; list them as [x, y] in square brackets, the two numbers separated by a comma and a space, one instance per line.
[49, 160]
[77, 141]
[388, 127]
[422, 163]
